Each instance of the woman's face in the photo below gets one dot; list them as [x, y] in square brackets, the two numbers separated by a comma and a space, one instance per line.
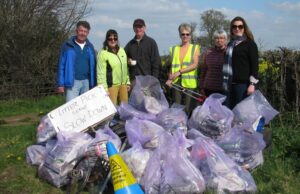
[238, 28]
[220, 42]
[185, 36]
[112, 41]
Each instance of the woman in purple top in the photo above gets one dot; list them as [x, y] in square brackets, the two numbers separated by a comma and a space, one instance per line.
[211, 69]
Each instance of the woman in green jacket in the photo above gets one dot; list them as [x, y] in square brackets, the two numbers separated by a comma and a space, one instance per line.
[112, 70]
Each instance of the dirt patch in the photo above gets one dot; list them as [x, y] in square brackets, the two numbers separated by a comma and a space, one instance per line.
[19, 120]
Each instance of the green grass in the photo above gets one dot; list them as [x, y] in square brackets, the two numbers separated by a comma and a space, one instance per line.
[280, 172]
[40, 106]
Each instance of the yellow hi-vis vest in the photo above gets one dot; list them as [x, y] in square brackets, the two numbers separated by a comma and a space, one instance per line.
[189, 79]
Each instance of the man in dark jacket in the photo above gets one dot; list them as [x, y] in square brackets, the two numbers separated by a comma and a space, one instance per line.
[142, 52]
[76, 67]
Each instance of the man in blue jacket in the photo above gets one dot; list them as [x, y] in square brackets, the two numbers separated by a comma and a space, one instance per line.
[76, 67]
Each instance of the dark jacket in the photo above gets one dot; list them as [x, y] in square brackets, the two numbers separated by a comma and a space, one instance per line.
[244, 61]
[146, 53]
[66, 64]
[211, 69]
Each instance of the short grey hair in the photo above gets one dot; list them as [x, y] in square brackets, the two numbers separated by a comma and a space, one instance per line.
[185, 26]
[219, 33]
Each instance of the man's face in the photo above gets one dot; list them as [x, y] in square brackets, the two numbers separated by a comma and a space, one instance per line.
[81, 34]
[139, 31]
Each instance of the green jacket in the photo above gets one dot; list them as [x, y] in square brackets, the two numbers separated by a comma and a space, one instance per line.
[112, 68]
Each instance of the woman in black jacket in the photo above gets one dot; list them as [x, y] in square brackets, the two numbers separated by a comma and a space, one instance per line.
[241, 63]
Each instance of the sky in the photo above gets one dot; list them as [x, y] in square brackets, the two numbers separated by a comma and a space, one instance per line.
[274, 23]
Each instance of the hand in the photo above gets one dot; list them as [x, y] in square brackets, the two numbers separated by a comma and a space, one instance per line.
[251, 89]
[128, 88]
[60, 90]
[174, 75]
[169, 82]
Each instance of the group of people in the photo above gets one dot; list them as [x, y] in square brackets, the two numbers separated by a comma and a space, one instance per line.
[228, 67]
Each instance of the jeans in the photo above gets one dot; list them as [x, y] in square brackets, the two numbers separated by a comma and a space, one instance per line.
[79, 87]
[237, 94]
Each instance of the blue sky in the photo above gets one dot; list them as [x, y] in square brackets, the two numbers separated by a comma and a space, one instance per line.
[273, 23]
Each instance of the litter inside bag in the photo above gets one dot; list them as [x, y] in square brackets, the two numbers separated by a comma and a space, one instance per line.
[98, 144]
[147, 95]
[57, 163]
[45, 130]
[136, 159]
[173, 119]
[220, 173]
[127, 112]
[212, 118]
[252, 107]
[169, 170]
[143, 131]
[35, 154]
[243, 146]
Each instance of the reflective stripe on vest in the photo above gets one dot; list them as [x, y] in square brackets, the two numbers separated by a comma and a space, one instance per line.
[189, 79]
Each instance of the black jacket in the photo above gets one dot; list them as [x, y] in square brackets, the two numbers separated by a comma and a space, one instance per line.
[146, 53]
[244, 61]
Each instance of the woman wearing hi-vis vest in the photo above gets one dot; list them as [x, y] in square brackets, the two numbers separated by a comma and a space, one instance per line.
[183, 70]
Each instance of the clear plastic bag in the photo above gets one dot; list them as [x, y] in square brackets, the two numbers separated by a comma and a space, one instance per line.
[173, 119]
[97, 147]
[143, 131]
[253, 107]
[126, 112]
[35, 154]
[212, 118]
[147, 95]
[57, 162]
[170, 171]
[136, 159]
[220, 173]
[45, 130]
[243, 145]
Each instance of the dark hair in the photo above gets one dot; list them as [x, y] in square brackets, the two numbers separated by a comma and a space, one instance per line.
[247, 31]
[109, 33]
[85, 24]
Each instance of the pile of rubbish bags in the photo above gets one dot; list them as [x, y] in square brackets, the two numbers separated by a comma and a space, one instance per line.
[212, 150]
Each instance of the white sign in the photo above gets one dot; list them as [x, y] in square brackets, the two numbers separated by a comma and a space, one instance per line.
[83, 111]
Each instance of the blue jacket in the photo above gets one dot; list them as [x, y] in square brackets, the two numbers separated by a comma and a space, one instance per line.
[66, 64]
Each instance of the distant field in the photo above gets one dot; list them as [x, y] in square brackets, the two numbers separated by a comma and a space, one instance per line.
[18, 120]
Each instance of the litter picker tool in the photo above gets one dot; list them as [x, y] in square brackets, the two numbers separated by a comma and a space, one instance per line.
[188, 92]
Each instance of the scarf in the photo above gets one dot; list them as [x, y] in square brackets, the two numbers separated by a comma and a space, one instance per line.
[227, 66]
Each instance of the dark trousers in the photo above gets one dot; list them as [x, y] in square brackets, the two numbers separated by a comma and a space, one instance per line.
[181, 98]
[237, 94]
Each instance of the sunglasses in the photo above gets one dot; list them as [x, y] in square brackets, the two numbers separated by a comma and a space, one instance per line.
[112, 39]
[238, 26]
[183, 34]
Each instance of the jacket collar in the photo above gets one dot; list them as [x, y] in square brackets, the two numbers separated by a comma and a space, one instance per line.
[71, 42]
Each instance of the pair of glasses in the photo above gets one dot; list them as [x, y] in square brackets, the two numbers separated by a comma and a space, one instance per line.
[183, 34]
[112, 39]
[238, 26]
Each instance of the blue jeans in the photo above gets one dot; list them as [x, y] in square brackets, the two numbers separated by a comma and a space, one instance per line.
[79, 87]
[237, 94]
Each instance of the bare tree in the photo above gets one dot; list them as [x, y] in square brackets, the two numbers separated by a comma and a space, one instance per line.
[30, 37]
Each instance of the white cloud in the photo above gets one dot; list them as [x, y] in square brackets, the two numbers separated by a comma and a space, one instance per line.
[162, 17]
[288, 6]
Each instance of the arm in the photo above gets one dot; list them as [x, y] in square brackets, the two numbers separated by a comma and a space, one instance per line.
[203, 71]
[101, 69]
[61, 70]
[253, 57]
[155, 60]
